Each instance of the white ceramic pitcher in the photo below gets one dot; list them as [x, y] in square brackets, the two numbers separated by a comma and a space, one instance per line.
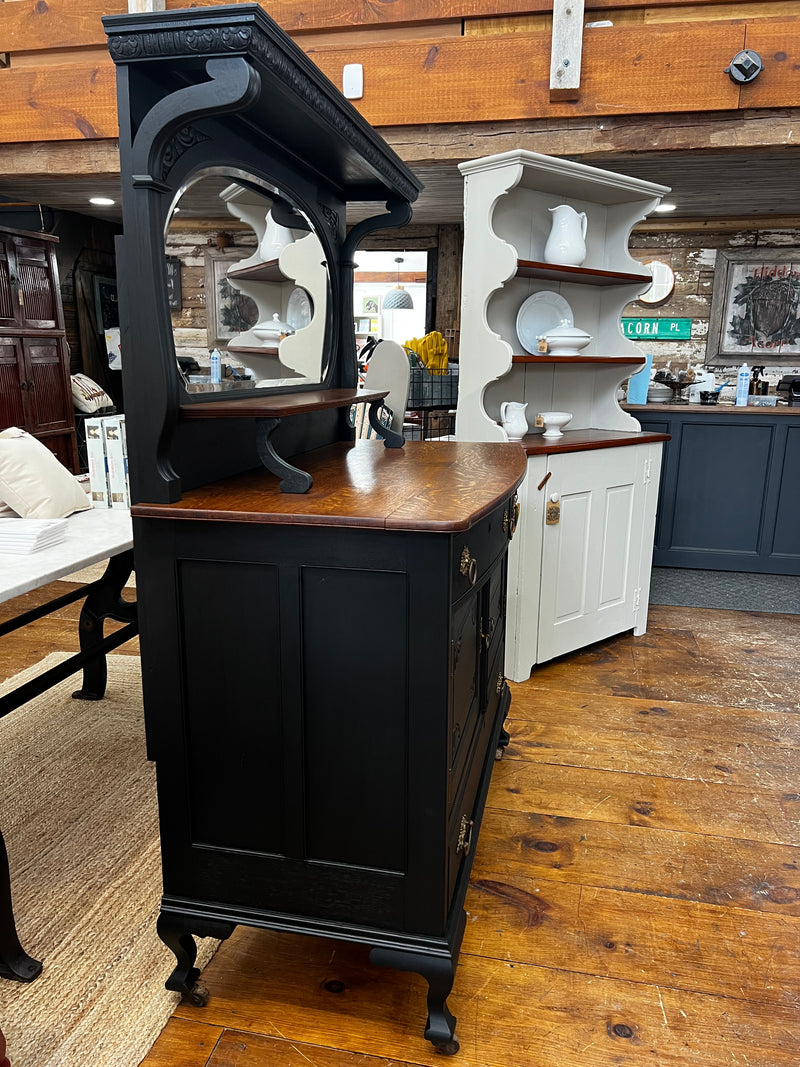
[512, 416]
[566, 244]
[275, 239]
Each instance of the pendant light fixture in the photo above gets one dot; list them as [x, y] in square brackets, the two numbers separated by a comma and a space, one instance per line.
[398, 298]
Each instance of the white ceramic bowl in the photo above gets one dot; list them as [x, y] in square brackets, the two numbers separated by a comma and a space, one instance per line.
[554, 422]
[566, 340]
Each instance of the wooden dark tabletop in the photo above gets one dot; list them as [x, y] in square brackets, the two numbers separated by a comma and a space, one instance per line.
[434, 486]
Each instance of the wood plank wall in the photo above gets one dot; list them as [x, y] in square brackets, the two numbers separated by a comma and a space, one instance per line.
[432, 61]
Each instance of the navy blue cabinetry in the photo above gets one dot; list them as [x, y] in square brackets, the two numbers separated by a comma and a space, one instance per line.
[729, 488]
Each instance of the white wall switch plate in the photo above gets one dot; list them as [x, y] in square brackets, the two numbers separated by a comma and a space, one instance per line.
[353, 81]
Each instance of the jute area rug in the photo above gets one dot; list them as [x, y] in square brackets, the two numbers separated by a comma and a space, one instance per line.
[78, 813]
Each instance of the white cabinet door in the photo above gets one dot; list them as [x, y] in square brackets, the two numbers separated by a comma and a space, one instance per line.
[591, 557]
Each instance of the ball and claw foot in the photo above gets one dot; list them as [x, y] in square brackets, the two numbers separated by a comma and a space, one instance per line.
[198, 996]
[447, 1048]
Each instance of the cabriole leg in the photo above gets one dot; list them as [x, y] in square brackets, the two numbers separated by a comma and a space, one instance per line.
[439, 972]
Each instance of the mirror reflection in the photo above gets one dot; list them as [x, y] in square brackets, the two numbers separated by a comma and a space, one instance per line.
[247, 279]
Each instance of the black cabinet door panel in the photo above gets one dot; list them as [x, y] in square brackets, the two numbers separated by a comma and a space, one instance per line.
[232, 705]
[355, 715]
[786, 541]
[719, 501]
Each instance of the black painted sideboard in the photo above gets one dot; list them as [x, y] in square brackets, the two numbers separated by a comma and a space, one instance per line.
[325, 696]
[730, 487]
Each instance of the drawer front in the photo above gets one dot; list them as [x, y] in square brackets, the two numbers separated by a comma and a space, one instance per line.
[476, 550]
[465, 672]
[462, 836]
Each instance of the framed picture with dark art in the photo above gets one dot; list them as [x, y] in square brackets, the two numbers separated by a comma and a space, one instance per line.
[106, 307]
[229, 311]
[755, 308]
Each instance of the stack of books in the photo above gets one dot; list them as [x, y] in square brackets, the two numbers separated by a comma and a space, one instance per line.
[31, 535]
[107, 453]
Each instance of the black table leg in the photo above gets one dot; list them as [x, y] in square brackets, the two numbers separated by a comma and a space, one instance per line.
[104, 601]
[14, 960]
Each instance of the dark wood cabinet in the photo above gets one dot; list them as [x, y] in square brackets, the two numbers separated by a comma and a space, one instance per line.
[35, 388]
[351, 717]
[322, 660]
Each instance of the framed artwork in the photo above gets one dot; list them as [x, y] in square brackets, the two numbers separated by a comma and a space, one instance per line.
[363, 326]
[174, 294]
[370, 305]
[106, 307]
[755, 308]
[228, 310]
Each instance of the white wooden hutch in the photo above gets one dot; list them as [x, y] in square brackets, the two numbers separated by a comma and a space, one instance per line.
[579, 569]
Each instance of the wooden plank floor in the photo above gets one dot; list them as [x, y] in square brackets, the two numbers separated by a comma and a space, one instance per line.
[635, 897]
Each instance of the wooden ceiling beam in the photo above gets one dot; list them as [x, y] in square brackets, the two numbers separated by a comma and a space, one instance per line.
[32, 25]
[591, 139]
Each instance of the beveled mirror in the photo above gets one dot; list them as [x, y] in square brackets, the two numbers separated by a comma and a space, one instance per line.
[254, 284]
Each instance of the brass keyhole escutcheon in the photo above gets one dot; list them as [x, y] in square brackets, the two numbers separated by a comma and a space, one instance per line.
[487, 637]
[464, 842]
[501, 681]
[469, 566]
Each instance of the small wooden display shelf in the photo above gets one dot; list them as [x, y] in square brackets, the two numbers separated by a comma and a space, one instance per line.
[268, 271]
[268, 409]
[553, 272]
[270, 406]
[528, 357]
[587, 440]
[259, 350]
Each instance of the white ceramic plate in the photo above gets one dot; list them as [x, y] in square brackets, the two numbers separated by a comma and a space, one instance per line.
[298, 309]
[539, 314]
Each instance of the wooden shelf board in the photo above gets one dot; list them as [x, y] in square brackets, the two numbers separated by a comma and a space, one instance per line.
[588, 440]
[553, 272]
[635, 361]
[276, 406]
[269, 271]
[259, 351]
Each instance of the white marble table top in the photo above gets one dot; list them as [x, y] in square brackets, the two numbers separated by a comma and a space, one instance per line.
[92, 536]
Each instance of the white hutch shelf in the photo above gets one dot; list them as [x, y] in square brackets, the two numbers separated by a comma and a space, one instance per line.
[583, 573]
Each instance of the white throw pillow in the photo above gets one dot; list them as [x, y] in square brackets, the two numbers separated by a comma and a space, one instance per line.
[33, 482]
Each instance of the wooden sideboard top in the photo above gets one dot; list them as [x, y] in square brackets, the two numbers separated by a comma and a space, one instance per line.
[713, 409]
[434, 486]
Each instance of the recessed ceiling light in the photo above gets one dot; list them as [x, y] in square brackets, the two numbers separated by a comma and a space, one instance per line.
[101, 201]
[666, 206]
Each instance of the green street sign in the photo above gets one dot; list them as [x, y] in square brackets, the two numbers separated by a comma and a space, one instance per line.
[657, 329]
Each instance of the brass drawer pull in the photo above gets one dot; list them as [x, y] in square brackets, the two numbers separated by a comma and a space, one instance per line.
[511, 516]
[487, 638]
[469, 566]
[464, 842]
